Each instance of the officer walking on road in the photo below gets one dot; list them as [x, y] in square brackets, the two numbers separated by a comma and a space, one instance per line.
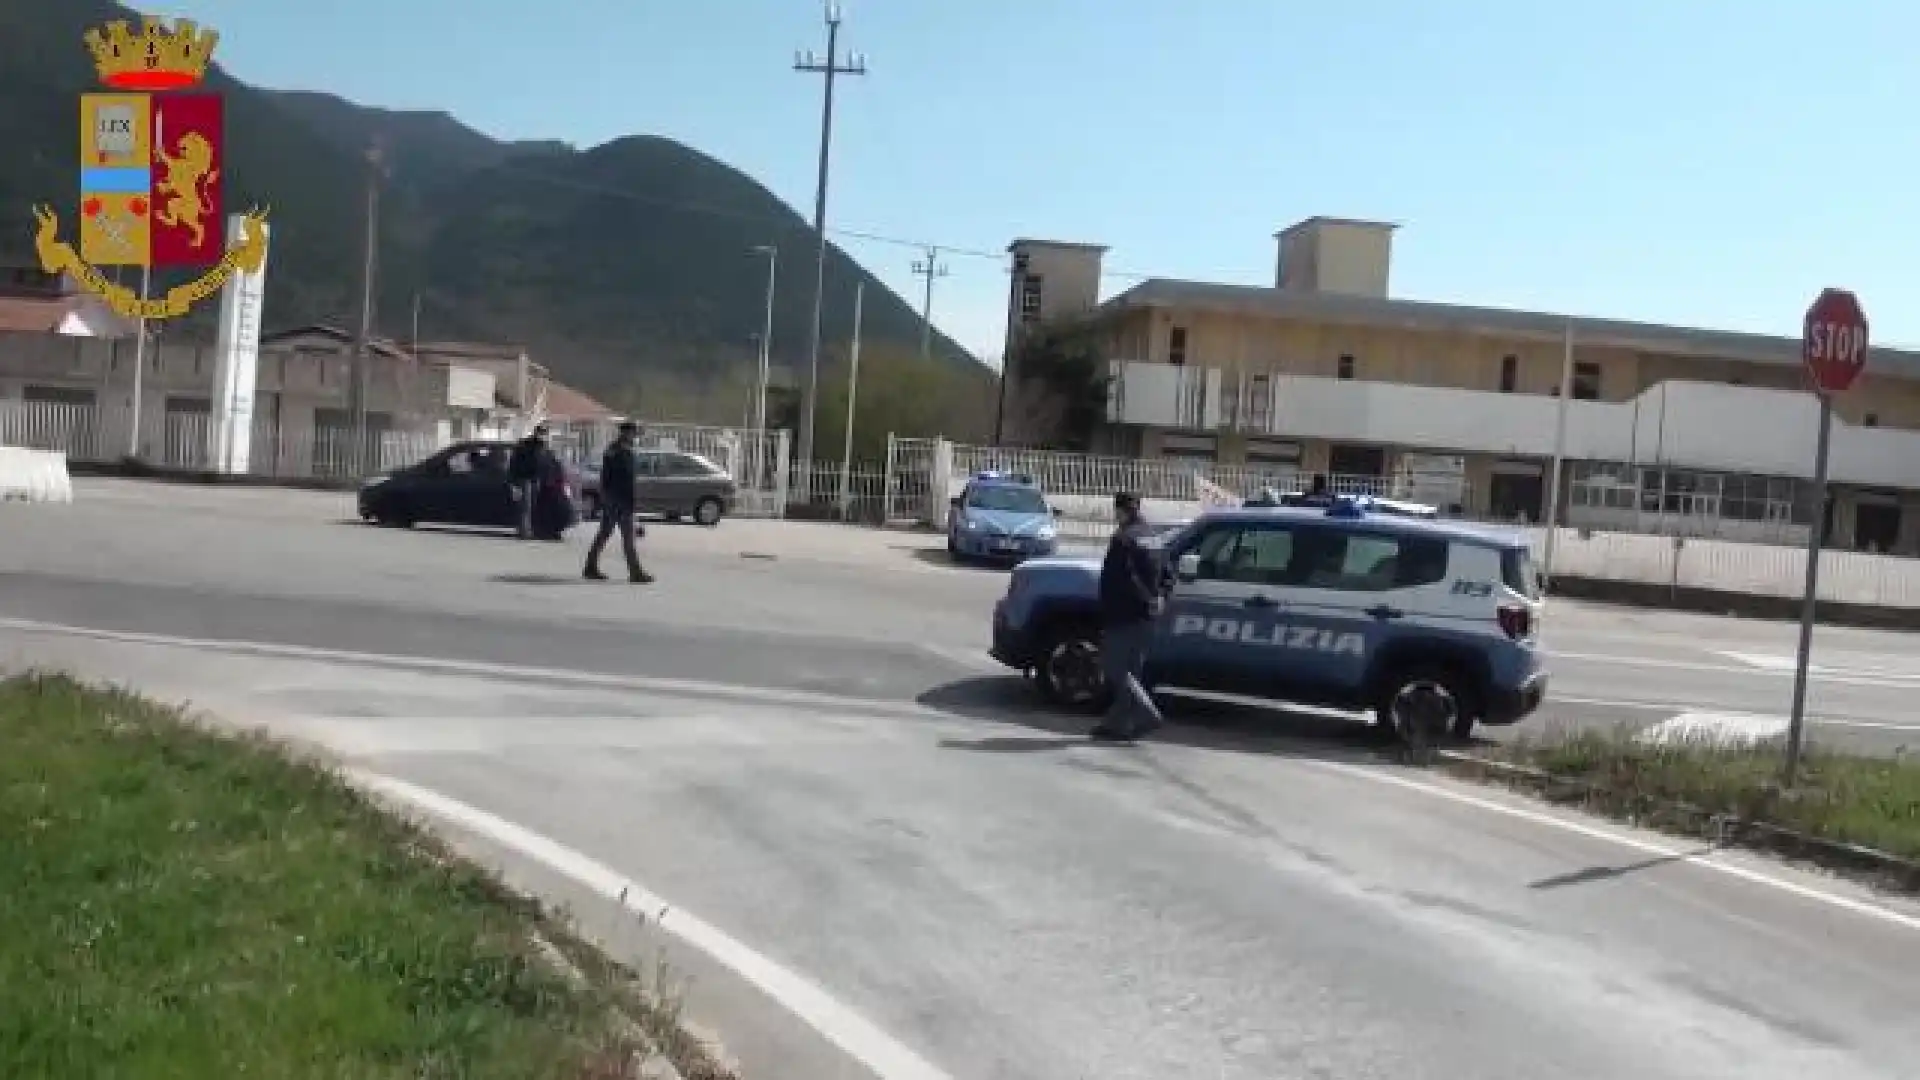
[526, 469]
[617, 479]
[1133, 591]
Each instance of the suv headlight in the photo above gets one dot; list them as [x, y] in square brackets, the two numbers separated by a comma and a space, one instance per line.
[1046, 532]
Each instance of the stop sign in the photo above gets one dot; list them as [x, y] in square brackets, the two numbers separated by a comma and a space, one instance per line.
[1833, 343]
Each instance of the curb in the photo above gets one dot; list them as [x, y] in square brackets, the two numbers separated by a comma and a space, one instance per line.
[1871, 865]
[654, 1065]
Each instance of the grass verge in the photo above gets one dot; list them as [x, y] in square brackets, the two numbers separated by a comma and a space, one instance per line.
[1859, 815]
[181, 903]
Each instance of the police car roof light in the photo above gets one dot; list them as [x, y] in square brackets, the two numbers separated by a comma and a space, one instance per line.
[1344, 506]
[1011, 477]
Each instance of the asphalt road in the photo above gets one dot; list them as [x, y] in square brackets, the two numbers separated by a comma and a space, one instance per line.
[815, 607]
[1257, 895]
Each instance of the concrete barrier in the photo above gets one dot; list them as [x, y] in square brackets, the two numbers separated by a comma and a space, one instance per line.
[28, 475]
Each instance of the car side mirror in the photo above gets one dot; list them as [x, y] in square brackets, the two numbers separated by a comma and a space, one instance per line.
[1187, 567]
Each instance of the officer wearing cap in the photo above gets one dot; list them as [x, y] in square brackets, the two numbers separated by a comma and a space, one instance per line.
[1133, 590]
[617, 481]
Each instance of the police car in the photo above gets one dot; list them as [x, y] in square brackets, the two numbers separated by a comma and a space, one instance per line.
[1417, 621]
[1003, 517]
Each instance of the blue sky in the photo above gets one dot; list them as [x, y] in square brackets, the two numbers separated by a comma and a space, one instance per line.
[1705, 162]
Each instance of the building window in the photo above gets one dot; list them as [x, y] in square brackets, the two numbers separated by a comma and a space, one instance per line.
[1345, 369]
[1586, 382]
[1177, 346]
[1509, 373]
[1030, 292]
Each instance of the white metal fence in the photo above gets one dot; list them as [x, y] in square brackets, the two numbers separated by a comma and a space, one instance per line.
[1081, 485]
[176, 440]
[757, 460]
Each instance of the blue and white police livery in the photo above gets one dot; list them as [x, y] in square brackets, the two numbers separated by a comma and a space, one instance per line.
[1330, 606]
[1003, 517]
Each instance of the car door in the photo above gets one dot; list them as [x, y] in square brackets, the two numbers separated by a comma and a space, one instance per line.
[1348, 595]
[649, 489]
[681, 482]
[1225, 627]
[474, 490]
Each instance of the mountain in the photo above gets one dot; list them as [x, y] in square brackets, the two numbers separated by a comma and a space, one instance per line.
[610, 263]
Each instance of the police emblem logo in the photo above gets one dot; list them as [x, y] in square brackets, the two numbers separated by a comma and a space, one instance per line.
[151, 174]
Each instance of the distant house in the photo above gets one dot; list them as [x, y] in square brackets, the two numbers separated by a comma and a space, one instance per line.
[567, 405]
[35, 302]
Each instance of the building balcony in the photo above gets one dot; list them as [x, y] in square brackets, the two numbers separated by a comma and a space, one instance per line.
[1708, 426]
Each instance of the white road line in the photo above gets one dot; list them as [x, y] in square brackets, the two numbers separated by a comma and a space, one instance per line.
[1675, 707]
[1726, 728]
[1876, 668]
[976, 659]
[474, 669]
[854, 1034]
[1889, 915]
[1751, 665]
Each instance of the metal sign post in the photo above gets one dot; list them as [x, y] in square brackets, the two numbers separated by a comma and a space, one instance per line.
[1833, 347]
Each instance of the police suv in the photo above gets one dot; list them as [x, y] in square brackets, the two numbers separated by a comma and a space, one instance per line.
[1418, 621]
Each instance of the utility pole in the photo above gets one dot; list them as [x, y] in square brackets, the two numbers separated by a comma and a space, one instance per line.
[139, 364]
[853, 389]
[930, 269]
[830, 67]
[357, 381]
[759, 414]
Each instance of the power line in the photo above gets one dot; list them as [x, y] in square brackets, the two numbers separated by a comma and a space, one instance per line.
[929, 268]
[829, 68]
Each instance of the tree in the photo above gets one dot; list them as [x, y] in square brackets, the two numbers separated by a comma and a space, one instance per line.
[1061, 383]
[899, 394]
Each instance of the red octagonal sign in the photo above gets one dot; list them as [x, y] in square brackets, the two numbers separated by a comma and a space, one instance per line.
[1833, 344]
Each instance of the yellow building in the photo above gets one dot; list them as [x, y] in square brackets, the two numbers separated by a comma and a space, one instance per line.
[1666, 429]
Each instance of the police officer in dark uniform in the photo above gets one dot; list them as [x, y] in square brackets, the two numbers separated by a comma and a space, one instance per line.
[1133, 592]
[527, 468]
[617, 479]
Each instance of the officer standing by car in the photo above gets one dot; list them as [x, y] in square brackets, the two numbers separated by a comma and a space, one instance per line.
[617, 480]
[527, 468]
[1133, 588]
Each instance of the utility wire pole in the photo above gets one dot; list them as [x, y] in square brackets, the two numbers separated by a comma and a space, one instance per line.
[930, 269]
[830, 67]
[357, 381]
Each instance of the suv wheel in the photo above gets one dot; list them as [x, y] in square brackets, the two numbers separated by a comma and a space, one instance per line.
[707, 512]
[1423, 703]
[1070, 673]
[589, 507]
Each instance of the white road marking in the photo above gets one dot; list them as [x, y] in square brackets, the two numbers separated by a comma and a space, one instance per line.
[976, 659]
[1645, 846]
[1876, 670]
[643, 684]
[740, 728]
[854, 1034]
[1748, 664]
[1725, 728]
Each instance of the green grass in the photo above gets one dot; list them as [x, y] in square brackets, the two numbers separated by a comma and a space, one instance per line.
[177, 903]
[1840, 799]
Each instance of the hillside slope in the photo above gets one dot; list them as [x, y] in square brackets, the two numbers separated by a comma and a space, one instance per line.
[609, 263]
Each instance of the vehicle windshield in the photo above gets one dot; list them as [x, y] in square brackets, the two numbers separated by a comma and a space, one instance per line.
[1007, 500]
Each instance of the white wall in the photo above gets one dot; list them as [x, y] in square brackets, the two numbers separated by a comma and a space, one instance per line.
[1709, 426]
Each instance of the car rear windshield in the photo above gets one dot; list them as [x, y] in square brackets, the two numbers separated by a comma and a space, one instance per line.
[1516, 572]
[1007, 500]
